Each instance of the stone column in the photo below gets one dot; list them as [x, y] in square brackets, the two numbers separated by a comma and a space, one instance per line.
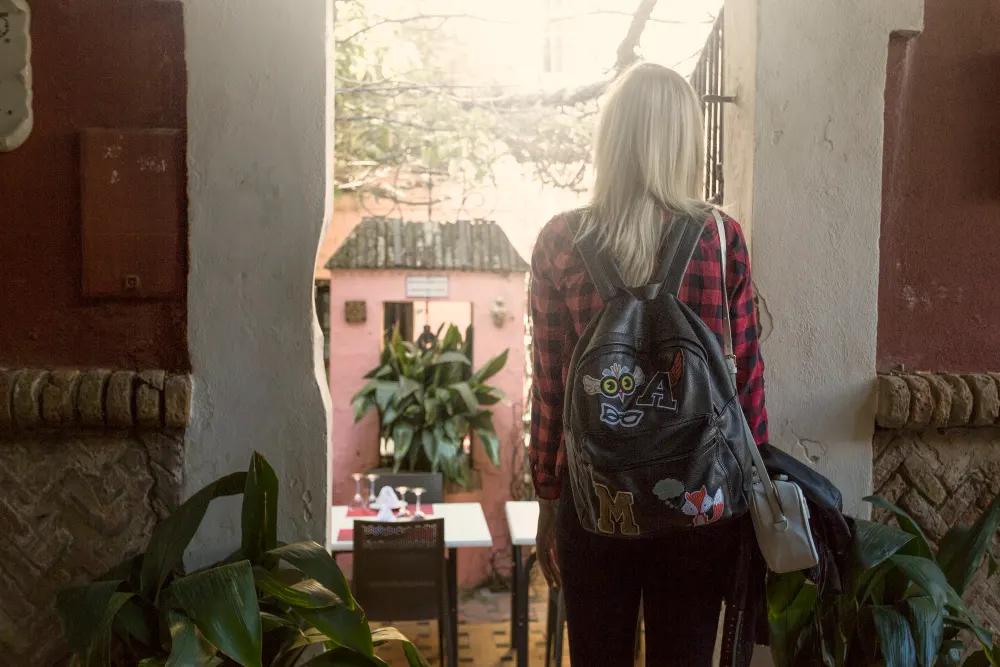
[806, 169]
[259, 146]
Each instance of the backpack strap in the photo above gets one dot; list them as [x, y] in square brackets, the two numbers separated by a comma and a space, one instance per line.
[727, 330]
[601, 267]
[680, 242]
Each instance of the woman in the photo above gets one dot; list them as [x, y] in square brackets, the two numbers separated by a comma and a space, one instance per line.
[648, 161]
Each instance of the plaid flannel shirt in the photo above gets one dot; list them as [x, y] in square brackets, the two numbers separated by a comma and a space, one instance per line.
[564, 301]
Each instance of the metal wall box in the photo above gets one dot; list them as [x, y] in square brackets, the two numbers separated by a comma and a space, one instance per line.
[134, 213]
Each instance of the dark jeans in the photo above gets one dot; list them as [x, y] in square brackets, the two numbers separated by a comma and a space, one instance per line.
[681, 581]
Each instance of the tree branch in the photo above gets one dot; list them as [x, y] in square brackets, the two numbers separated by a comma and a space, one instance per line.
[626, 50]
[418, 17]
[591, 91]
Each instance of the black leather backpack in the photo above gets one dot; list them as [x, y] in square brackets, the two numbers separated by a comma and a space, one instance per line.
[655, 439]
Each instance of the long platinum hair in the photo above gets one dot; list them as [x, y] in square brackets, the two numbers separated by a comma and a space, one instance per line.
[648, 162]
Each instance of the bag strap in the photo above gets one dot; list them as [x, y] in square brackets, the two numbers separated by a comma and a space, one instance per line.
[680, 243]
[601, 267]
[677, 247]
[727, 331]
[780, 520]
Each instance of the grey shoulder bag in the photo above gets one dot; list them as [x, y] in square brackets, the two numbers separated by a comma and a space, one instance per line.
[778, 507]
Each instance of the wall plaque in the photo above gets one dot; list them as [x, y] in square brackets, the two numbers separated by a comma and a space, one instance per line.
[355, 312]
[15, 74]
[426, 287]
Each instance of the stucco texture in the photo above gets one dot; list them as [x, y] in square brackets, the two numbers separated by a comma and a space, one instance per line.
[258, 153]
[818, 107]
[354, 350]
[939, 291]
[100, 63]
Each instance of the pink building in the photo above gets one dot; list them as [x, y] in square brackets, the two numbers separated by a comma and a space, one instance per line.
[389, 272]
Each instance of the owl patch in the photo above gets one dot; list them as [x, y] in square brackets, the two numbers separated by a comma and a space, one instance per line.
[617, 381]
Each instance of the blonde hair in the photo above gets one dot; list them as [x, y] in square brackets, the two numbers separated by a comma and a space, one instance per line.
[648, 161]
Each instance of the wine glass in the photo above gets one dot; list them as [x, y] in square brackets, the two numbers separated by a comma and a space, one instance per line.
[418, 513]
[357, 501]
[371, 489]
[403, 512]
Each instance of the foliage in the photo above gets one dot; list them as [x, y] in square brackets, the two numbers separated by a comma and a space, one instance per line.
[409, 112]
[903, 606]
[429, 401]
[268, 605]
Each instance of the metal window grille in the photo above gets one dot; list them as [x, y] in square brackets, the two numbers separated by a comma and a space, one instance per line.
[708, 82]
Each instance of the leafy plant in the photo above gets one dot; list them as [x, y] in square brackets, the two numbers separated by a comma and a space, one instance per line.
[268, 605]
[428, 402]
[903, 605]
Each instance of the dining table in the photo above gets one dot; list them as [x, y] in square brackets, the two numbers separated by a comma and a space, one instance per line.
[465, 527]
[522, 523]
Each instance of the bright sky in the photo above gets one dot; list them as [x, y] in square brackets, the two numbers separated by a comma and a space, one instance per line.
[508, 46]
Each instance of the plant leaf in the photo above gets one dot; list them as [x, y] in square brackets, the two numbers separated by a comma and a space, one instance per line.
[965, 553]
[187, 647]
[133, 621]
[489, 395]
[82, 610]
[491, 367]
[430, 446]
[172, 535]
[464, 391]
[981, 633]
[402, 437]
[345, 627]
[920, 546]
[260, 509]
[927, 621]
[482, 424]
[307, 594]
[874, 543]
[222, 602]
[895, 638]
[790, 601]
[316, 563]
[362, 405]
[452, 358]
[407, 387]
[928, 576]
[385, 393]
[384, 635]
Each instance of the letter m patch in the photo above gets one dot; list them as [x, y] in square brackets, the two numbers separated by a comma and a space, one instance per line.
[616, 511]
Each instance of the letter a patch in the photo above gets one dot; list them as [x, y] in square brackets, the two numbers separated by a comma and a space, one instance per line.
[616, 511]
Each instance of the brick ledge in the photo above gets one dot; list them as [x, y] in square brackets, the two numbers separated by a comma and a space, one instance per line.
[919, 401]
[33, 399]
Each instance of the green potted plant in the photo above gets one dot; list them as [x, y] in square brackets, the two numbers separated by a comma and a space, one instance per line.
[429, 401]
[903, 606]
[268, 605]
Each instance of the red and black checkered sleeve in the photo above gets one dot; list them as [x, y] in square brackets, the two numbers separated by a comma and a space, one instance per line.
[746, 346]
[551, 323]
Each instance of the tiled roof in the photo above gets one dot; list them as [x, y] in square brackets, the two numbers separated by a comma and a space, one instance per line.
[382, 243]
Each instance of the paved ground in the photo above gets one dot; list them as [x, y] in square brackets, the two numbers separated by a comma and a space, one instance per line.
[483, 630]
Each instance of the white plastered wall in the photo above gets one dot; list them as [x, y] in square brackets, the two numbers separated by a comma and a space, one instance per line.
[259, 164]
[813, 100]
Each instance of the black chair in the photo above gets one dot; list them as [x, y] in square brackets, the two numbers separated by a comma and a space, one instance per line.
[431, 482]
[399, 572]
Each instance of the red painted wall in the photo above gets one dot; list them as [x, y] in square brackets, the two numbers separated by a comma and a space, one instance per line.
[939, 291]
[97, 63]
